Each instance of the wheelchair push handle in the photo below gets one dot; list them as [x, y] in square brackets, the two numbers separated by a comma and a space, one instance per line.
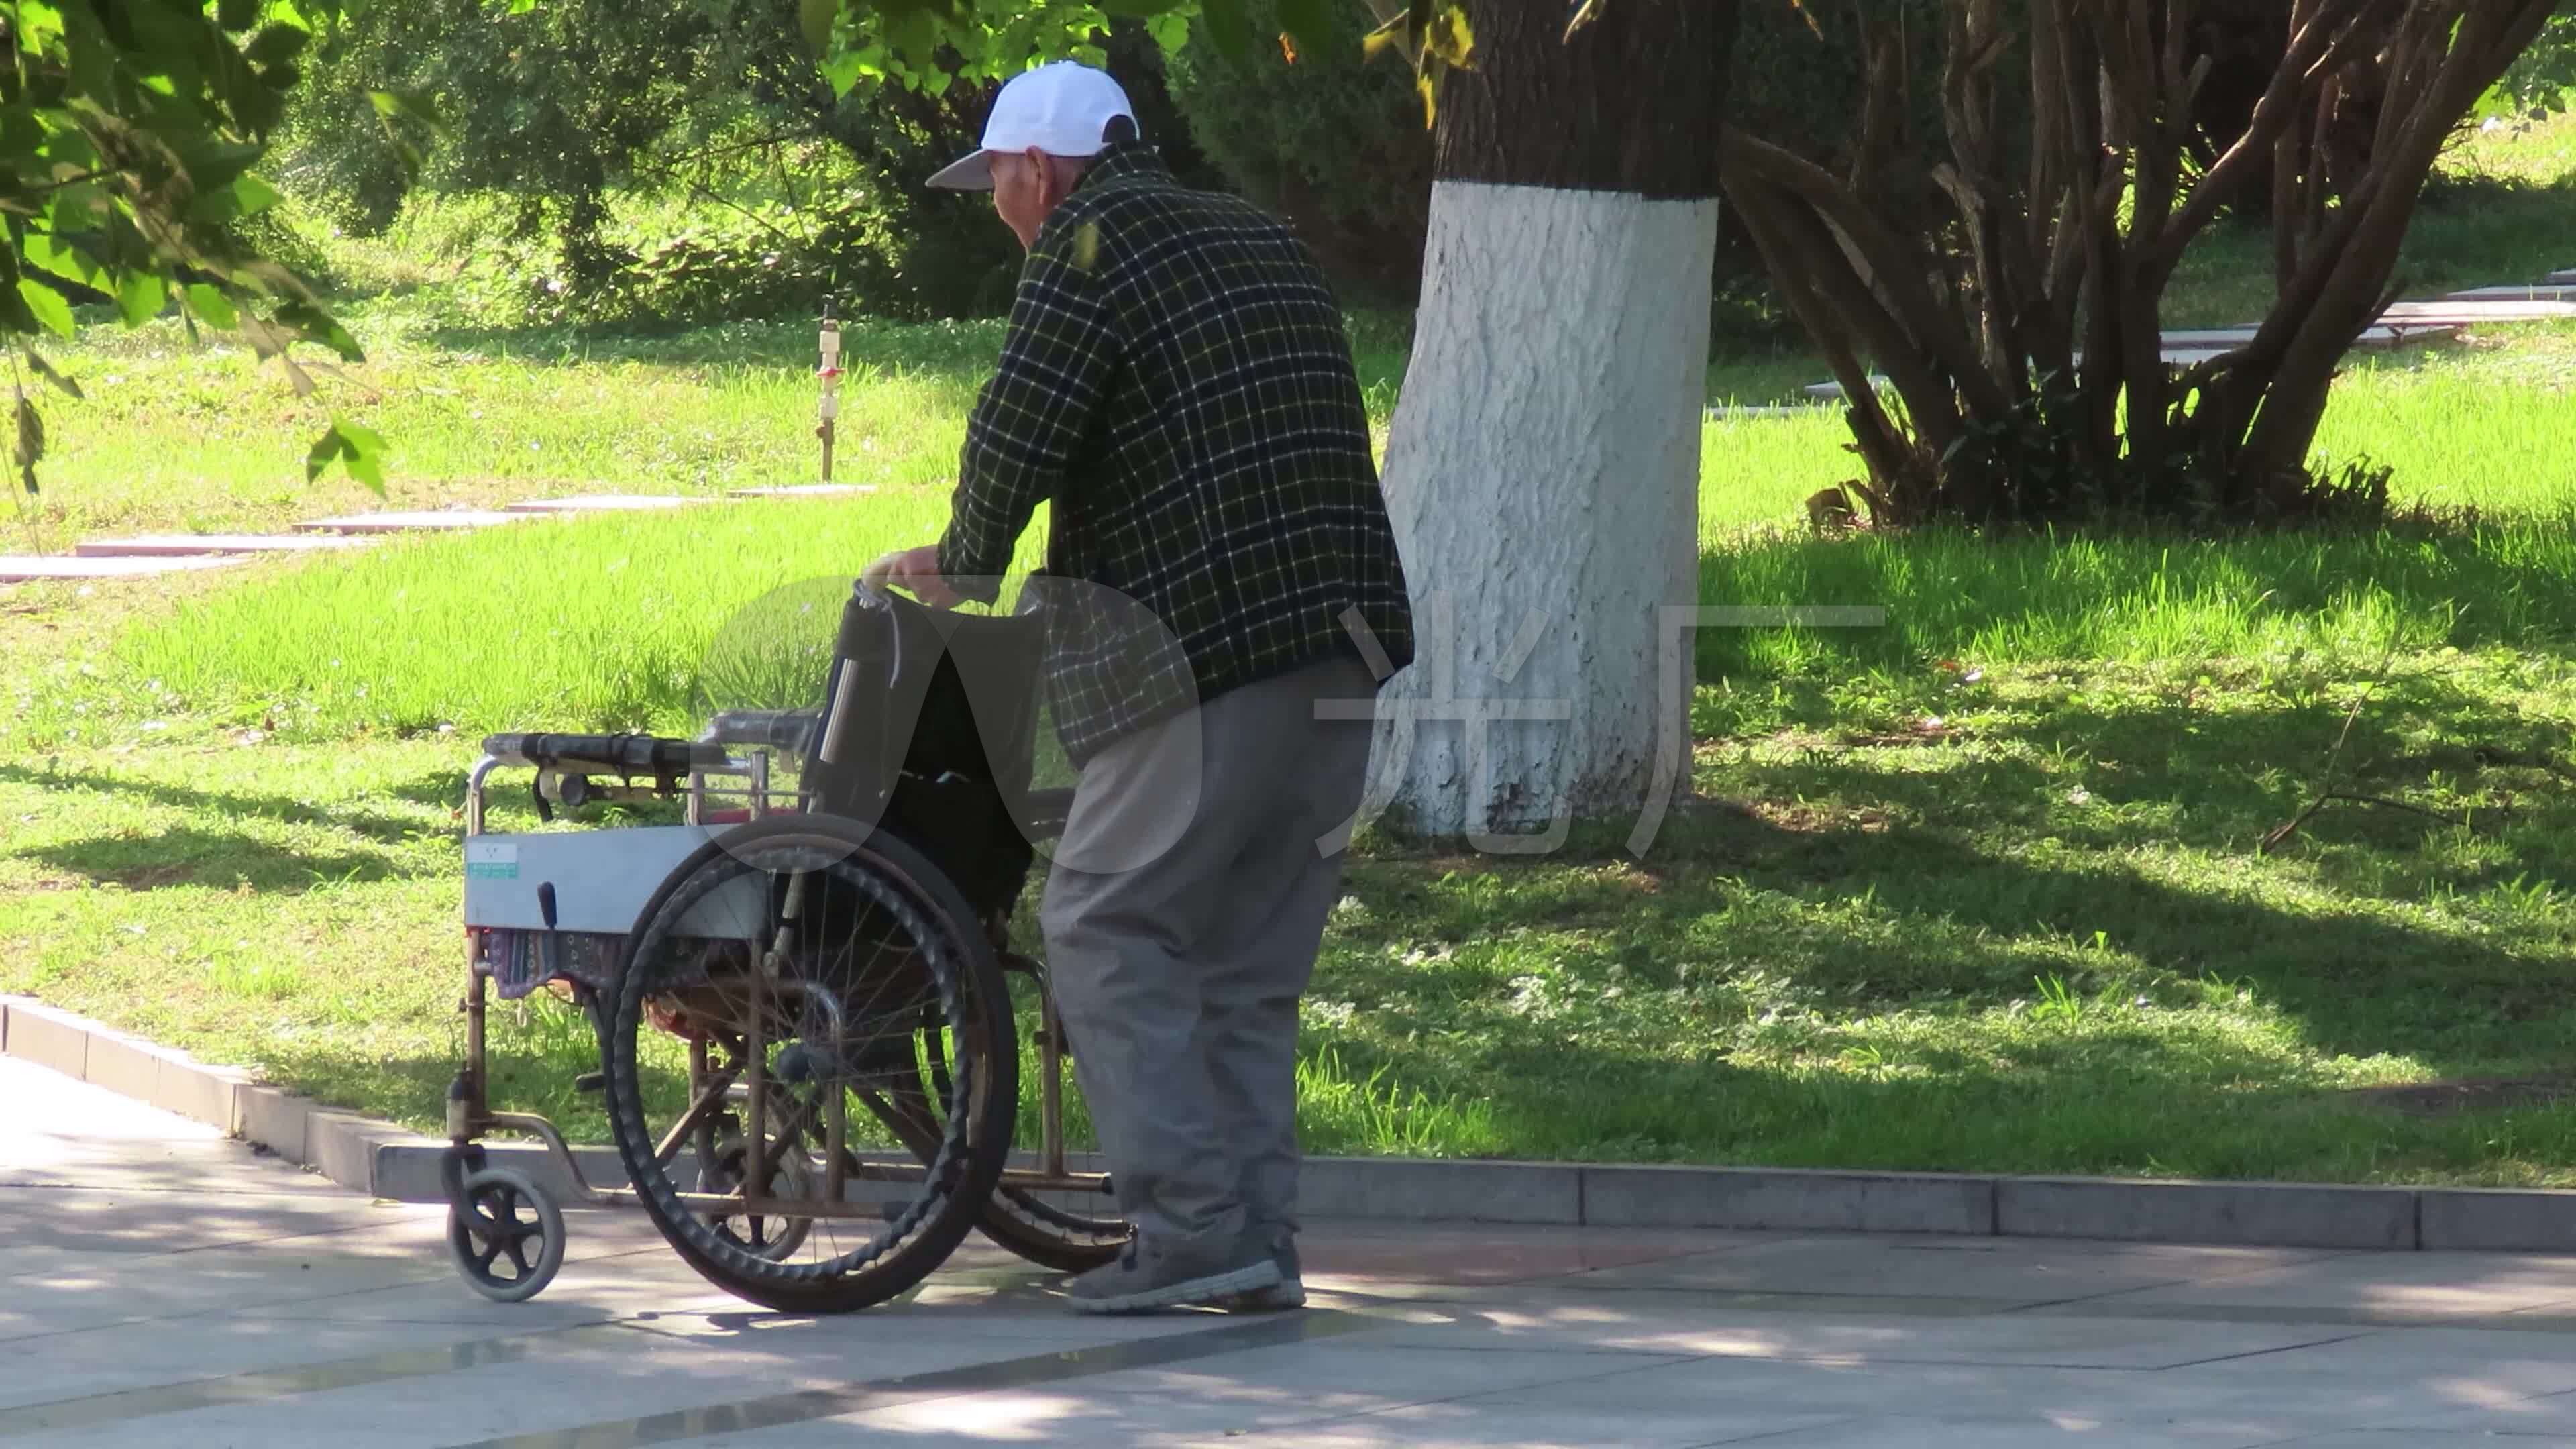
[606, 754]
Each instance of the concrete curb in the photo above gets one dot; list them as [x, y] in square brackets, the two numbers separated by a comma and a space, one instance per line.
[386, 1161]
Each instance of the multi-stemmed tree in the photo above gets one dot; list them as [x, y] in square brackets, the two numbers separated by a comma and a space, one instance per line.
[2021, 326]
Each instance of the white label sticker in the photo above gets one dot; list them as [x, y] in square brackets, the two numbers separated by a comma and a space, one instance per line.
[491, 860]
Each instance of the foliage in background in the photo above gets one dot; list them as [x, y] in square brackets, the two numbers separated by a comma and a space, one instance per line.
[802, 170]
[2540, 82]
[1331, 141]
[128, 129]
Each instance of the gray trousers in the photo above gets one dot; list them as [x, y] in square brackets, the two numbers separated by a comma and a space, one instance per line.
[1182, 916]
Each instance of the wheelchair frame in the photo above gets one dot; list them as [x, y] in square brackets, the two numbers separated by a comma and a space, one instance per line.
[470, 1115]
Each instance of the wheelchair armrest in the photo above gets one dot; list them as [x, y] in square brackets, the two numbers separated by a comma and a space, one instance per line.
[788, 730]
[605, 754]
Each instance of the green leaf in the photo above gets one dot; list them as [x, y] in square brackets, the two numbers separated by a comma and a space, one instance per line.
[140, 296]
[417, 106]
[47, 304]
[326, 450]
[212, 164]
[218, 310]
[46, 254]
[815, 18]
[360, 450]
[316, 325]
[844, 70]
[366, 455]
[49, 373]
[252, 196]
[237, 15]
[1389, 36]
[1228, 29]
[1452, 38]
[31, 437]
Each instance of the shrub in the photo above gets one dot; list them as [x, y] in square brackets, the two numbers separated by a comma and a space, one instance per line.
[1333, 143]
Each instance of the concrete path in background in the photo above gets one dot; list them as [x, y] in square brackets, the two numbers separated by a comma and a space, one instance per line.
[162, 1285]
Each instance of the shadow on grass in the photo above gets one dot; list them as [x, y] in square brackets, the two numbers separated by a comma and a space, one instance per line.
[190, 857]
[436, 788]
[2169, 767]
[1735, 994]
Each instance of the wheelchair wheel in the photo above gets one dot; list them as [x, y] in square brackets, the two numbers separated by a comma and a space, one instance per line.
[1051, 1236]
[502, 1255]
[845, 958]
[1020, 1221]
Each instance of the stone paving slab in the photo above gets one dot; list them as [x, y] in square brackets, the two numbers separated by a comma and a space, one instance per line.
[418, 521]
[2561, 287]
[181, 545]
[25, 568]
[2469, 310]
[160, 1316]
[804, 490]
[2370, 338]
[605, 503]
[2003, 1270]
[2191, 347]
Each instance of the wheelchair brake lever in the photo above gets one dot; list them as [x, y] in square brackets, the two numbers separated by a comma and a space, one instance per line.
[549, 946]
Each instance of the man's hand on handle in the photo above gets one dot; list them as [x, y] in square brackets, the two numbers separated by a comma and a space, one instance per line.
[916, 572]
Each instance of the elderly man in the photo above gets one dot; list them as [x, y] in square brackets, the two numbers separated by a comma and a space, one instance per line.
[1176, 385]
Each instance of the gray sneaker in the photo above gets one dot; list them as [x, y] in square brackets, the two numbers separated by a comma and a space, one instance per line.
[1288, 1292]
[1144, 1279]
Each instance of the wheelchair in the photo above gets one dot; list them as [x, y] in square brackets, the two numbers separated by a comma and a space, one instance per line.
[810, 1046]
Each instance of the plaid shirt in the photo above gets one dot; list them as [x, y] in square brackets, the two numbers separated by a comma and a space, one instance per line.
[1176, 381]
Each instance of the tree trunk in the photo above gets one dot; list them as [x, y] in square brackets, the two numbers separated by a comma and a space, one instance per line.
[1543, 467]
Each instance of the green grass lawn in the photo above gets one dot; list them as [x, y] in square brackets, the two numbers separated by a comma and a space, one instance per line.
[1983, 889]
[2002, 915]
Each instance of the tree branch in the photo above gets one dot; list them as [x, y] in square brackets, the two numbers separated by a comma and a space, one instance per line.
[2324, 38]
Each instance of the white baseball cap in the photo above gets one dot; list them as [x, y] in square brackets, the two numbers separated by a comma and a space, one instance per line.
[1060, 109]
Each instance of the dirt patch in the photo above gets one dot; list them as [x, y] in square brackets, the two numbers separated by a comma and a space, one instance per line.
[2469, 1094]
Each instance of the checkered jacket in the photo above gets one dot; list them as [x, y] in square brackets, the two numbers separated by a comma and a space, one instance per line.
[1177, 384]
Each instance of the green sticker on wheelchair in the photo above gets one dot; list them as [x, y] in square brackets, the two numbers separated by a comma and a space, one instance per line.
[491, 860]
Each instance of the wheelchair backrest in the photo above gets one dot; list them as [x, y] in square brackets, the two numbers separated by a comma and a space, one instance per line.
[931, 693]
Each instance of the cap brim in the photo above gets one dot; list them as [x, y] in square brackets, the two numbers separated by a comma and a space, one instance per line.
[970, 172]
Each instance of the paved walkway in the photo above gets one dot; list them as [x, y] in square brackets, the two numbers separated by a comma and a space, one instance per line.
[162, 1286]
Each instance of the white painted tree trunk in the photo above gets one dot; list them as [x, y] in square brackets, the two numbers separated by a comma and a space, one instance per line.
[1543, 475]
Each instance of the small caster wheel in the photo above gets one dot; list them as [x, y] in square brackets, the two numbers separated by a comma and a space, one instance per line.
[505, 1235]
